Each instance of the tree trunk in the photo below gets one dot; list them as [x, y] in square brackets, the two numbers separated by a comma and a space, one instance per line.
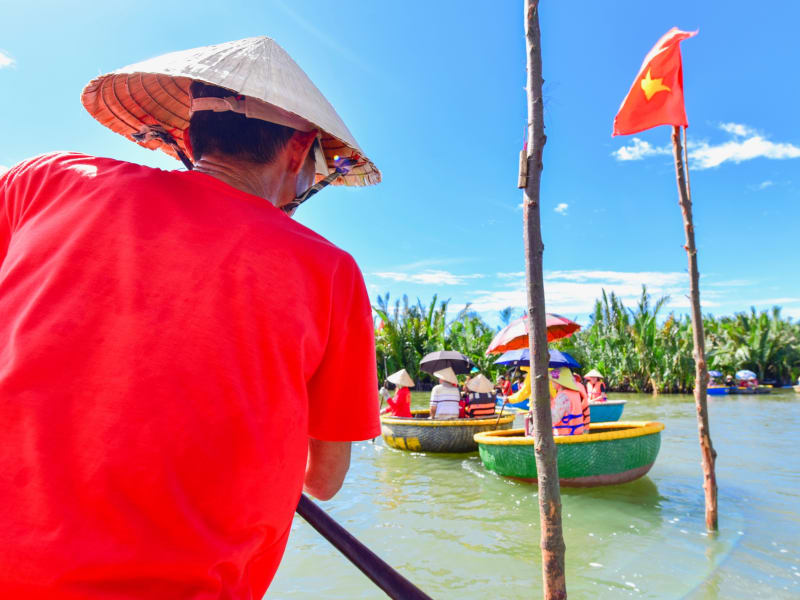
[701, 372]
[552, 539]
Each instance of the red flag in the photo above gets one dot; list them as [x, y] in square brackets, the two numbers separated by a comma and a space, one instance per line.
[656, 96]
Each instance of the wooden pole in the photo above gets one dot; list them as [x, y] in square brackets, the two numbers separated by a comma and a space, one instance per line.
[707, 451]
[552, 539]
[381, 573]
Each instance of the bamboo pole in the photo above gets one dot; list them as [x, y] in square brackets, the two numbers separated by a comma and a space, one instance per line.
[707, 451]
[551, 539]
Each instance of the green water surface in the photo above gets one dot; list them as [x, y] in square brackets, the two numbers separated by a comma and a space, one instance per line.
[458, 531]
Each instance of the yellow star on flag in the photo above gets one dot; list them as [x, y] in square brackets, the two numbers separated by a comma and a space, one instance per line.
[652, 86]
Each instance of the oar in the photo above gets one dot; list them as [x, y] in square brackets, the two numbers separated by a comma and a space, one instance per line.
[381, 573]
[502, 408]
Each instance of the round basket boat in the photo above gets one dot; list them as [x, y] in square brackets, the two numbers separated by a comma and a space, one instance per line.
[603, 412]
[421, 434]
[612, 453]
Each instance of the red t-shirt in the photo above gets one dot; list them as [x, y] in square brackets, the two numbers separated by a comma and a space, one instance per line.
[400, 405]
[167, 346]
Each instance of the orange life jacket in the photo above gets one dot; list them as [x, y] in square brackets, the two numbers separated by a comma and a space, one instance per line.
[480, 405]
[597, 392]
[572, 423]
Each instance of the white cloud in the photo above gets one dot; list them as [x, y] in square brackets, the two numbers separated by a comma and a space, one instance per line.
[428, 277]
[575, 292]
[638, 150]
[561, 208]
[764, 184]
[3, 169]
[706, 156]
[514, 275]
[5, 60]
[746, 144]
[737, 129]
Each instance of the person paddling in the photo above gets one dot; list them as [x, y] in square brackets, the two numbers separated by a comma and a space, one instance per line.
[400, 404]
[153, 322]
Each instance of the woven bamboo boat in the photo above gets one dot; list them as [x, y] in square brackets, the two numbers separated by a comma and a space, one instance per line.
[603, 412]
[421, 434]
[612, 453]
[797, 388]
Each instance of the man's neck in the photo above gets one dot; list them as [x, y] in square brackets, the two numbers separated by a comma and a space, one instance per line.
[251, 178]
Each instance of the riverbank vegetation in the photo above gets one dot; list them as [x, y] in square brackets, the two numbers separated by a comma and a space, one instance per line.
[641, 349]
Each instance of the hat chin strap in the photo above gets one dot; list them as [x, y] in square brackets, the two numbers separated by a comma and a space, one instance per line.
[157, 132]
[292, 206]
[343, 167]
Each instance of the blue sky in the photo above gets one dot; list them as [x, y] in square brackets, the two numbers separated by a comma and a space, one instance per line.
[434, 93]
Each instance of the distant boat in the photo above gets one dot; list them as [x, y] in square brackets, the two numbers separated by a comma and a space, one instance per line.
[604, 412]
[718, 390]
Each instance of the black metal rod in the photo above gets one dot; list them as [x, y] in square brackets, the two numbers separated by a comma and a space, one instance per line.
[380, 572]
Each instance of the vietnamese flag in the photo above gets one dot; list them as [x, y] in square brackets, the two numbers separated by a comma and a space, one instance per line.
[656, 96]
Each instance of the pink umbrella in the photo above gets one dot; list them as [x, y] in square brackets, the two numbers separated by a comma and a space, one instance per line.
[515, 335]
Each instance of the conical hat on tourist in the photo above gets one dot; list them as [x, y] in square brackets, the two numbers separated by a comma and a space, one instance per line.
[563, 376]
[447, 374]
[401, 378]
[594, 373]
[480, 384]
[156, 92]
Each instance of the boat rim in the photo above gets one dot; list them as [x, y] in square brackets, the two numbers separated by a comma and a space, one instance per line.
[607, 403]
[386, 420]
[625, 429]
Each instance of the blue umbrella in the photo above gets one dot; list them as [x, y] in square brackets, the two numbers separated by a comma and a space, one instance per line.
[516, 358]
[715, 373]
[745, 374]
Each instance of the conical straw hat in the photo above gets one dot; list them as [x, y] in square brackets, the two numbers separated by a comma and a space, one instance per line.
[401, 378]
[447, 374]
[156, 92]
[480, 384]
[563, 376]
[594, 373]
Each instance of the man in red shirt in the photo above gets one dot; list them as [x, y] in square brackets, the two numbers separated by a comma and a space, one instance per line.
[176, 349]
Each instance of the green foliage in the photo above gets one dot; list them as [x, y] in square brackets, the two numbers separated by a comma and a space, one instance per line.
[636, 349]
[635, 353]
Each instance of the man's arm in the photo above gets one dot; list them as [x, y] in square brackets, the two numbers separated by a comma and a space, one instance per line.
[326, 468]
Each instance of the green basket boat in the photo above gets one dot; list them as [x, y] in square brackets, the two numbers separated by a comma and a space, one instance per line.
[421, 434]
[611, 453]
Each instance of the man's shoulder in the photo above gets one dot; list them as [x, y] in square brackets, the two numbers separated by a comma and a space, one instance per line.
[53, 165]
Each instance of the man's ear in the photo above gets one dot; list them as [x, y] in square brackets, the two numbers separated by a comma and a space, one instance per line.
[297, 149]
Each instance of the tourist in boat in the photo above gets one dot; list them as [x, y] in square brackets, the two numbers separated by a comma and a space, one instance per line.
[177, 350]
[595, 386]
[567, 406]
[481, 399]
[445, 396]
[504, 387]
[400, 404]
[587, 413]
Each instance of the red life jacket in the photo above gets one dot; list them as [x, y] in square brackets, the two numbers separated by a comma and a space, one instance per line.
[572, 423]
[480, 405]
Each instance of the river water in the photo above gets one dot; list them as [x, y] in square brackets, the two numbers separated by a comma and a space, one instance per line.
[458, 531]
